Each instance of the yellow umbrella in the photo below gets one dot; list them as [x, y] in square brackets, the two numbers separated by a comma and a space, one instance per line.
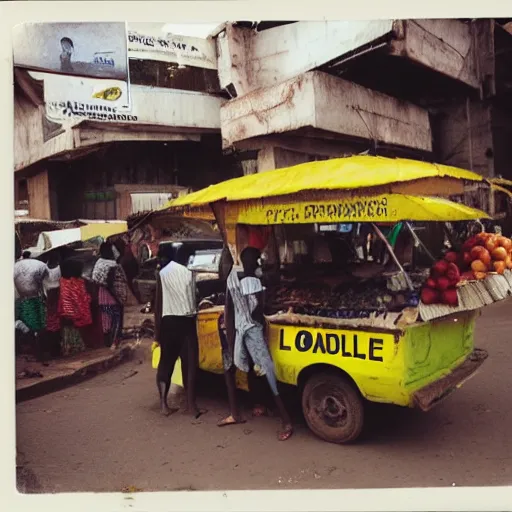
[349, 173]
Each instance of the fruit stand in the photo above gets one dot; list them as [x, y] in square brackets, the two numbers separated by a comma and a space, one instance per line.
[476, 275]
[343, 331]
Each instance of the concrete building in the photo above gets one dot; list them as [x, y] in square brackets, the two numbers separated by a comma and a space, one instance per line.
[104, 169]
[437, 90]
[281, 93]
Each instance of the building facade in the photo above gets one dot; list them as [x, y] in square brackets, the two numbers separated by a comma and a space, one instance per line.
[109, 168]
[437, 90]
[278, 94]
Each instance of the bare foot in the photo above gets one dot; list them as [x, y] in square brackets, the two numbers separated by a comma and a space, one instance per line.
[165, 410]
[230, 420]
[285, 433]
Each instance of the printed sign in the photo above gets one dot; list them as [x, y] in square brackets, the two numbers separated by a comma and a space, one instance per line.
[87, 111]
[381, 208]
[96, 50]
[373, 359]
[151, 42]
[70, 96]
[356, 345]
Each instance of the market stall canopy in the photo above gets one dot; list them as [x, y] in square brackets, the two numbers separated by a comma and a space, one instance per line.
[355, 172]
[376, 208]
[52, 239]
[31, 231]
[102, 229]
[498, 188]
[502, 182]
[202, 212]
[167, 225]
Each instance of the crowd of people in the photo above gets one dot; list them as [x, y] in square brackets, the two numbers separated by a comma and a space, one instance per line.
[59, 312]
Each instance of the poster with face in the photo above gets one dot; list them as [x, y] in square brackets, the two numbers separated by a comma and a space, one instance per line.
[89, 49]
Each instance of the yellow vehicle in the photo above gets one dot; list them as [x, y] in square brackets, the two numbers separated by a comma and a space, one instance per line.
[338, 363]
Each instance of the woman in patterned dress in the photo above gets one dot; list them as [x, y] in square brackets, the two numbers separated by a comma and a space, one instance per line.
[112, 294]
[51, 285]
[74, 307]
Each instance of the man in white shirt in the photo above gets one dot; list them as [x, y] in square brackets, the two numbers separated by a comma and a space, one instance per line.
[175, 329]
[29, 275]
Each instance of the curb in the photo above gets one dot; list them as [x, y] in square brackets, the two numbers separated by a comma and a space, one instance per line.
[87, 371]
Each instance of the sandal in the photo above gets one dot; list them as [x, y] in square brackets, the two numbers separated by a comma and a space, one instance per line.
[230, 420]
[286, 433]
[259, 411]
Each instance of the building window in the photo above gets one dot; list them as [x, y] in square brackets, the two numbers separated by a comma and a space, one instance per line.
[21, 197]
[165, 74]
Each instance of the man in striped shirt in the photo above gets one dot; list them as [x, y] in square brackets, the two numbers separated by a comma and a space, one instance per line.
[175, 329]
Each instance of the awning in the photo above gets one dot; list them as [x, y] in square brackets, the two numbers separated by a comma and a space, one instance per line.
[102, 229]
[146, 202]
[349, 173]
[51, 239]
[502, 182]
[498, 188]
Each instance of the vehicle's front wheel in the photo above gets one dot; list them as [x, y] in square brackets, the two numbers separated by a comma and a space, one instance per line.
[333, 407]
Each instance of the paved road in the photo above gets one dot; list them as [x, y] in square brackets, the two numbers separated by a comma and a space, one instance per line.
[106, 434]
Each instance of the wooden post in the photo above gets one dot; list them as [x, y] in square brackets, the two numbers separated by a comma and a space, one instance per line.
[39, 196]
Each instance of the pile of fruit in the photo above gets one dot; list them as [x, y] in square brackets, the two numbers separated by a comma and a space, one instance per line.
[484, 253]
[481, 254]
[441, 286]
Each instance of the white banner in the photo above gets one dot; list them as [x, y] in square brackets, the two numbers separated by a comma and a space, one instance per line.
[70, 96]
[152, 42]
[97, 50]
[149, 105]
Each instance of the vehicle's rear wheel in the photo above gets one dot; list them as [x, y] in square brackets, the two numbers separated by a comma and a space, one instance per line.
[333, 407]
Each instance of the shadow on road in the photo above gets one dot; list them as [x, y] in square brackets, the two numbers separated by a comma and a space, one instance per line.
[384, 423]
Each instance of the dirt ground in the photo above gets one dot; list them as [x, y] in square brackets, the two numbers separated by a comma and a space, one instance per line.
[106, 434]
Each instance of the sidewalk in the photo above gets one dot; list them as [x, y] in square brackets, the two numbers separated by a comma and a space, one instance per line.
[64, 372]
[35, 379]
